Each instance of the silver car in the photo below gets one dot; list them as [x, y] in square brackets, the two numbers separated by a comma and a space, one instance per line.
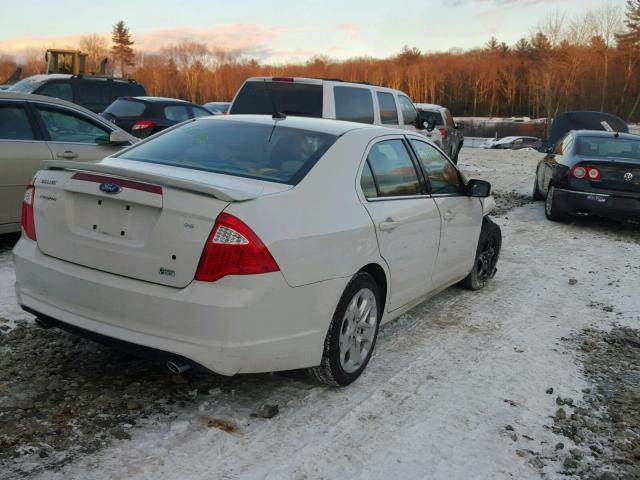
[34, 128]
[249, 244]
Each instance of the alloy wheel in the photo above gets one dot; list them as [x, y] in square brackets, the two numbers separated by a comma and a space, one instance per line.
[358, 330]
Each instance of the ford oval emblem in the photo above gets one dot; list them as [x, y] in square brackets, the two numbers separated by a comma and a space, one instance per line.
[110, 188]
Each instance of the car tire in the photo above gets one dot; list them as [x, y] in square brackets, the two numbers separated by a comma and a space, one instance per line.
[350, 330]
[551, 206]
[487, 254]
[537, 194]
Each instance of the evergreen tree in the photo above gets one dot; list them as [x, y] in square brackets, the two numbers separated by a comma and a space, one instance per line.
[121, 50]
[522, 45]
[630, 40]
[493, 45]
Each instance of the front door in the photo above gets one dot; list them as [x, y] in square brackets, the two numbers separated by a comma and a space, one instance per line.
[73, 136]
[461, 215]
[406, 219]
[22, 152]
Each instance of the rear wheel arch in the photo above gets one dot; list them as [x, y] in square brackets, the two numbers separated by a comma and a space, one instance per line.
[380, 276]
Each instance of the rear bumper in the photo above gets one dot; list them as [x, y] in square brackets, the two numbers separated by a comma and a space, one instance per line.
[576, 202]
[239, 324]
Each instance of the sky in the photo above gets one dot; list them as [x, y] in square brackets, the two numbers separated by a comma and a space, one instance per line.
[279, 31]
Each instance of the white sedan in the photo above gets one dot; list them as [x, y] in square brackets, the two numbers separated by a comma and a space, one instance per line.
[251, 244]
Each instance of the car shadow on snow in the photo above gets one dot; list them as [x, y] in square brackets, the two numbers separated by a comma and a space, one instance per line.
[61, 396]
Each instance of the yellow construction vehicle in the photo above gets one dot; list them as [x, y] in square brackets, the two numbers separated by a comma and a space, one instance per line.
[65, 61]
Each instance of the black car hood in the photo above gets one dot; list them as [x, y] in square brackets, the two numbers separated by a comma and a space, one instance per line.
[567, 121]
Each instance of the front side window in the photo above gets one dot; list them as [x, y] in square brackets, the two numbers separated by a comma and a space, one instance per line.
[353, 104]
[66, 127]
[388, 110]
[61, 90]
[262, 151]
[443, 176]
[176, 113]
[393, 171]
[14, 123]
[409, 112]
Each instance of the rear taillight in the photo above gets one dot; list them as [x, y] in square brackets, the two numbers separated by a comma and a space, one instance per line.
[443, 132]
[233, 249]
[143, 124]
[282, 79]
[588, 173]
[28, 222]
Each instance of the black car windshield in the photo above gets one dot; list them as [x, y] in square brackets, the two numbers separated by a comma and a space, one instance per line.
[26, 85]
[126, 108]
[609, 147]
[260, 98]
[263, 151]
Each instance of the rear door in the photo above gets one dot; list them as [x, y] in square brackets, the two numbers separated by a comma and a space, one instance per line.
[72, 135]
[406, 219]
[93, 94]
[22, 152]
[461, 215]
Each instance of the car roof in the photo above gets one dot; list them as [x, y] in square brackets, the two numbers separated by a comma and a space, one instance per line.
[428, 106]
[32, 97]
[605, 134]
[322, 125]
[320, 81]
[41, 77]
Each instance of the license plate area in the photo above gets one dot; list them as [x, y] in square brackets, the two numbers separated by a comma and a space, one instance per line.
[113, 218]
[597, 198]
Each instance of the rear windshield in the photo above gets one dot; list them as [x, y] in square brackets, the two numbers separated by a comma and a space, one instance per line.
[608, 147]
[265, 152]
[260, 97]
[126, 108]
[434, 118]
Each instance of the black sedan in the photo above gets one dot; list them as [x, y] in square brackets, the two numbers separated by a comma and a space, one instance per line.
[591, 173]
[144, 116]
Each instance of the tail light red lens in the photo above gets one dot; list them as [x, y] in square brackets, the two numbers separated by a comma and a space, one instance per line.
[143, 124]
[443, 132]
[282, 79]
[586, 172]
[233, 249]
[28, 220]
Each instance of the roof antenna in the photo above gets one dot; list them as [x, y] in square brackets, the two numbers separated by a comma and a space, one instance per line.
[276, 115]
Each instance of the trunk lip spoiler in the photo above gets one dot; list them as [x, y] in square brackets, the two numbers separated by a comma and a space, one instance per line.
[221, 193]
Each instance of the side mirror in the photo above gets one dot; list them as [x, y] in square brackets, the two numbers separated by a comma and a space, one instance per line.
[479, 188]
[548, 150]
[119, 137]
[431, 125]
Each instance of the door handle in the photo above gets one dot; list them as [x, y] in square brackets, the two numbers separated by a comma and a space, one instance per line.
[448, 216]
[68, 154]
[389, 224]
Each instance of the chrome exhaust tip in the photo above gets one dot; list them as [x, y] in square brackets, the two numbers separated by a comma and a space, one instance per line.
[176, 367]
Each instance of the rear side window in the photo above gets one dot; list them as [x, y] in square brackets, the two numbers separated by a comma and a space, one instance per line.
[176, 113]
[93, 92]
[14, 123]
[393, 171]
[291, 98]
[409, 112]
[61, 90]
[388, 109]
[126, 108]
[353, 104]
[266, 152]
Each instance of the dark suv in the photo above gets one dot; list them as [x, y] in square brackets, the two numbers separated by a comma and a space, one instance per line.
[144, 116]
[94, 93]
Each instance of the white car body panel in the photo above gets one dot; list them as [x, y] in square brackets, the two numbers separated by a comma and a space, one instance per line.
[320, 232]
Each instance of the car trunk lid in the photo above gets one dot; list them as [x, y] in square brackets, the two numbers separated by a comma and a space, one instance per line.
[118, 218]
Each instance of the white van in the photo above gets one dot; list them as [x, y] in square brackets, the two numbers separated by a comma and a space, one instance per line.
[333, 99]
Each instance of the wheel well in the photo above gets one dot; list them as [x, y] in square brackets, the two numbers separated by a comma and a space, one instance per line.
[380, 277]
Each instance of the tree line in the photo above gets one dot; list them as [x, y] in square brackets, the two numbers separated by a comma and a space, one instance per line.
[587, 63]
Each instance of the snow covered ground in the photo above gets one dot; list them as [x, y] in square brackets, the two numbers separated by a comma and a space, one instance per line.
[445, 381]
